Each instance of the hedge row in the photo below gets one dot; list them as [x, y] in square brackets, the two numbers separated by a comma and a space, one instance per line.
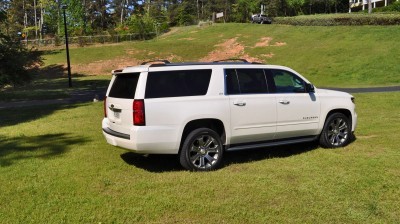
[394, 7]
[340, 20]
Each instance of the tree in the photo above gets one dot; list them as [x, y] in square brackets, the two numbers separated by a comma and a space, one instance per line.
[295, 6]
[16, 62]
[243, 9]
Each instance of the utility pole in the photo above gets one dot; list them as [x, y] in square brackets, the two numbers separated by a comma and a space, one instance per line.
[64, 7]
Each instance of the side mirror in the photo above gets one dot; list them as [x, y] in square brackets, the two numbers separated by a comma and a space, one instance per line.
[310, 88]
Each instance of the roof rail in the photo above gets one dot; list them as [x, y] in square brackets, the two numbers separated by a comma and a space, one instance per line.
[149, 62]
[232, 59]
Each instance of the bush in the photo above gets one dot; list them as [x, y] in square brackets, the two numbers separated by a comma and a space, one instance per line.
[16, 62]
[395, 7]
[340, 20]
[141, 25]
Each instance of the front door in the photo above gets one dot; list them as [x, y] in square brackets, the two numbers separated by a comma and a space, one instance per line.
[297, 110]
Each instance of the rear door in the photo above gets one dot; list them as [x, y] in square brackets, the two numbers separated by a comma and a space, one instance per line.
[120, 101]
[253, 109]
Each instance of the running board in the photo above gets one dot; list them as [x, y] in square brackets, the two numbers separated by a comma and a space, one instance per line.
[270, 144]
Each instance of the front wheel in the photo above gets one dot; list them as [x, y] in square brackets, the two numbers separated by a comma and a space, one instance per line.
[336, 132]
[202, 150]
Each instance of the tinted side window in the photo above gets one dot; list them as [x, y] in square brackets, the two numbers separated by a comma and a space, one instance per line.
[124, 86]
[287, 82]
[177, 83]
[232, 82]
[245, 81]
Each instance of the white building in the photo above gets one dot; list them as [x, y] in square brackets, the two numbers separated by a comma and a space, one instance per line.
[357, 5]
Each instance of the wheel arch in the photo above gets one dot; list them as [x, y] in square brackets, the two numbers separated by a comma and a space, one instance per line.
[344, 111]
[211, 123]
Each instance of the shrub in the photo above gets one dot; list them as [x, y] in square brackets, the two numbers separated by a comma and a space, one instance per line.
[340, 20]
[16, 62]
[144, 26]
[394, 7]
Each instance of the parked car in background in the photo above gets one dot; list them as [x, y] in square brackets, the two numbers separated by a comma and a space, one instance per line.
[262, 19]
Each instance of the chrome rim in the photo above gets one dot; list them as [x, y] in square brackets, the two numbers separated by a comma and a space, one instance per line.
[204, 152]
[337, 132]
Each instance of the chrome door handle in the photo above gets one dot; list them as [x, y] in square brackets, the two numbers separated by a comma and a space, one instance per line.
[239, 103]
[284, 102]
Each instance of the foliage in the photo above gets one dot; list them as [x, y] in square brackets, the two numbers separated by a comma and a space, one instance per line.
[16, 62]
[394, 7]
[243, 9]
[3, 15]
[144, 26]
[296, 5]
[340, 20]
[184, 14]
[89, 17]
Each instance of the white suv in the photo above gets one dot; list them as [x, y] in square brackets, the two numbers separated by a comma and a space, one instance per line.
[200, 110]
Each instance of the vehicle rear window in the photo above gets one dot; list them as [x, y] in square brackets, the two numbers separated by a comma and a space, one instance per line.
[177, 83]
[124, 86]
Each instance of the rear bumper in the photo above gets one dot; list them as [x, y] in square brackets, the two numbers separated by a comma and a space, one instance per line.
[144, 139]
[116, 134]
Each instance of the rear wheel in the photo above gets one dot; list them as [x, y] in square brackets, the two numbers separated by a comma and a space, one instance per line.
[202, 150]
[336, 132]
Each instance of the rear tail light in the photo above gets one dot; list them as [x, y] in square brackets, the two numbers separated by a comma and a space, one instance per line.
[105, 106]
[138, 113]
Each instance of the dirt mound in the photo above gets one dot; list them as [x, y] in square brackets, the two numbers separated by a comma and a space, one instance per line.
[103, 66]
[266, 41]
[228, 49]
[187, 38]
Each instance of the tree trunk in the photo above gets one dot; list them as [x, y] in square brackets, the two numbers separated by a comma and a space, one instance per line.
[84, 17]
[122, 10]
[58, 18]
[34, 10]
[198, 10]
[25, 20]
[369, 7]
[41, 20]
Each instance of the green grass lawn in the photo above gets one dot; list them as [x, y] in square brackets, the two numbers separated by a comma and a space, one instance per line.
[56, 167]
[339, 56]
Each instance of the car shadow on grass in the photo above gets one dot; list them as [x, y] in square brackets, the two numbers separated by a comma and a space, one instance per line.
[14, 116]
[153, 163]
[44, 146]
[51, 82]
[251, 155]
[170, 163]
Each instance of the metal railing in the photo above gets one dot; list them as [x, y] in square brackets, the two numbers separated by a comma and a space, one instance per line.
[88, 40]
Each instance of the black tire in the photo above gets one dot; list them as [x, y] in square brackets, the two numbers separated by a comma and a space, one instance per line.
[202, 150]
[336, 132]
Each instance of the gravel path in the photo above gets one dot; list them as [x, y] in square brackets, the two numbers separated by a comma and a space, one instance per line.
[89, 96]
